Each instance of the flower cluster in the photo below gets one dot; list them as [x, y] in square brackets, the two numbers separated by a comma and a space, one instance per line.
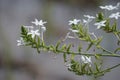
[101, 19]
[79, 29]
[110, 7]
[32, 32]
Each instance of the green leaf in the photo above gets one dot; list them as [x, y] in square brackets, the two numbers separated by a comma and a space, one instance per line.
[107, 28]
[38, 41]
[100, 17]
[99, 41]
[64, 56]
[97, 68]
[97, 56]
[72, 56]
[68, 48]
[64, 47]
[83, 68]
[23, 30]
[42, 44]
[89, 46]
[57, 45]
[118, 49]
[79, 48]
[114, 27]
[52, 47]
[118, 42]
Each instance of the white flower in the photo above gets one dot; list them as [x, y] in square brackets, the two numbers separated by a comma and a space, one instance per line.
[20, 42]
[115, 15]
[89, 17]
[33, 33]
[110, 7]
[86, 60]
[39, 23]
[100, 24]
[74, 21]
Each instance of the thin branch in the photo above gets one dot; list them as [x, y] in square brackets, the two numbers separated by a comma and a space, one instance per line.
[82, 53]
[108, 69]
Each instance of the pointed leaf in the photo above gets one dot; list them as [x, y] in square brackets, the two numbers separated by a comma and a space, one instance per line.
[68, 48]
[89, 46]
[118, 49]
[64, 56]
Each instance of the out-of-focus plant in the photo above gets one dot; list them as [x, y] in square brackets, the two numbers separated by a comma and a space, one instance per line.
[89, 63]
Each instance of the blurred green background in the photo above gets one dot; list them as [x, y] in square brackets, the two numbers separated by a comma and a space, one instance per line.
[23, 63]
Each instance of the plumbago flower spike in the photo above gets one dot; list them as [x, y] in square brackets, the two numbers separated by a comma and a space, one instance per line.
[80, 30]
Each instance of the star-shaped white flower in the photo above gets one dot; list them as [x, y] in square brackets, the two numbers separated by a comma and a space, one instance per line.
[33, 33]
[89, 17]
[20, 42]
[115, 15]
[39, 23]
[100, 24]
[74, 21]
[86, 60]
[110, 7]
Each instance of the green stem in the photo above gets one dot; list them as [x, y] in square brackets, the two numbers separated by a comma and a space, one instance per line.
[108, 69]
[81, 53]
[117, 35]
[105, 50]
